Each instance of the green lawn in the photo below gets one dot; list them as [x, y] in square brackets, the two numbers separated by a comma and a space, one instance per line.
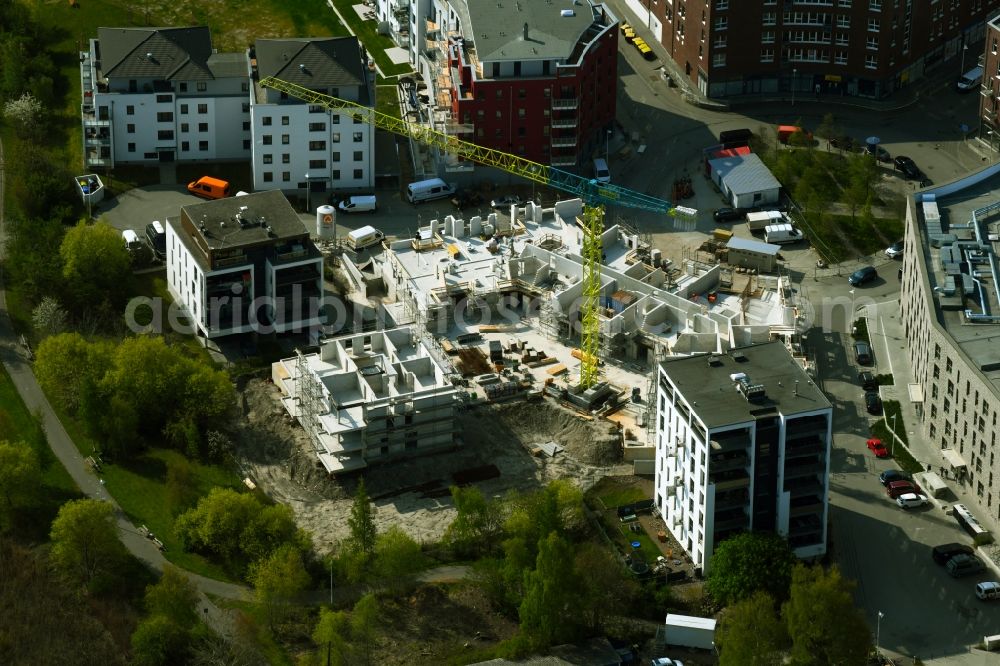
[387, 100]
[613, 494]
[374, 42]
[17, 424]
[880, 429]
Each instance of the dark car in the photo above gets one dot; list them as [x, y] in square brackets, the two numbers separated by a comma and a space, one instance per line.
[902, 160]
[505, 202]
[880, 153]
[867, 381]
[862, 276]
[908, 168]
[862, 353]
[844, 143]
[873, 403]
[157, 238]
[946, 551]
[728, 215]
[891, 475]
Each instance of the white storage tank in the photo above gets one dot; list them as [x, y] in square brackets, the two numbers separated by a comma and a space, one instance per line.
[326, 222]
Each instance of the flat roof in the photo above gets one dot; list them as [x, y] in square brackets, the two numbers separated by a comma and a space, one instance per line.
[750, 245]
[675, 620]
[705, 382]
[218, 222]
[744, 174]
[553, 28]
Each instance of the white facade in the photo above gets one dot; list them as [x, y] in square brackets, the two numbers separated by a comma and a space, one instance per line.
[726, 464]
[369, 397]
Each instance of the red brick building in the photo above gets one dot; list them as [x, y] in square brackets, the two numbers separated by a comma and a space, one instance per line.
[862, 48]
[989, 100]
[528, 77]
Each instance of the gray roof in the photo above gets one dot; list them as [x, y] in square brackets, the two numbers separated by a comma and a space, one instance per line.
[750, 245]
[228, 65]
[263, 209]
[498, 28]
[712, 394]
[326, 62]
[744, 174]
[156, 53]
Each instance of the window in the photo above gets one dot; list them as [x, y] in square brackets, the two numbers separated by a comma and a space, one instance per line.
[769, 18]
[767, 37]
[335, 137]
[335, 174]
[130, 128]
[335, 157]
[164, 99]
[266, 139]
[245, 87]
[284, 120]
[334, 120]
[183, 87]
[202, 127]
[520, 114]
[359, 137]
[720, 41]
[842, 39]
[843, 21]
[722, 4]
[317, 164]
[840, 58]
[719, 60]
[317, 145]
[185, 146]
[164, 116]
[129, 110]
[268, 159]
[268, 177]
[246, 107]
[286, 176]
[873, 25]
[265, 121]
[767, 55]
[184, 127]
[285, 158]
[246, 125]
[317, 127]
[285, 139]
[359, 174]
[184, 109]
[246, 144]
[315, 108]
[165, 135]
[203, 108]
[875, 5]
[201, 86]
[872, 43]
[131, 147]
[721, 22]
[358, 156]
[203, 145]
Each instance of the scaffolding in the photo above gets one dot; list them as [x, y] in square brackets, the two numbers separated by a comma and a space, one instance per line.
[590, 331]
[309, 394]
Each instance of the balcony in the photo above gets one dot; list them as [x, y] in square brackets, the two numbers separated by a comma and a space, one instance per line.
[565, 103]
[730, 480]
[564, 142]
[564, 123]
[563, 160]
[727, 463]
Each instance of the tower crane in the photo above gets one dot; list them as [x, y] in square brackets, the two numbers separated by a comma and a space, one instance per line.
[595, 196]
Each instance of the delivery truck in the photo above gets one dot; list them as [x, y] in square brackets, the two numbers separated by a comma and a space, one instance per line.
[363, 237]
[690, 631]
[780, 234]
[759, 220]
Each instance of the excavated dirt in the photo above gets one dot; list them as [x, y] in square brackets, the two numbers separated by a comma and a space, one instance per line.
[495, 456]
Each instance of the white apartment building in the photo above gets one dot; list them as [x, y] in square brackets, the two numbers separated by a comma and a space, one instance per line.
[298, 145]
[162, 95]
[245, 264]
[742, 444]
[369, 397]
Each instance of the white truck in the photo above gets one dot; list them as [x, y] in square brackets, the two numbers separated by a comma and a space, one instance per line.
[690, 631]
[759, 220]
[779, 234]
[363, 237]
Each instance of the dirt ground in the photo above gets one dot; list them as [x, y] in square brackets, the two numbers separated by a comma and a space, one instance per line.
[413, 494]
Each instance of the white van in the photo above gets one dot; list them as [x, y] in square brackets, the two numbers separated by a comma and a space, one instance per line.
[426, 190]
[970, 80]
[601, 173]
[759, 220]
[779, 234]
[131, 240]
[361, 238]
[362, 204]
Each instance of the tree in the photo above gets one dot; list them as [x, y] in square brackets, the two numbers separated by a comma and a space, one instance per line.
[360, 546]
[48, 317]
[181, 491]
[30, 262]
[605, 588]
[477, 522]
[158, 641]
[20, 477]
[85, 543]
[174, 597]
[363, 619]
[825, 627]
[751, 633]
[828, 127]
[397, 556]
[69, 368]
[549, 610]
[25, 112]
[748, 562]
[277, 580]
[332, 633]
[96, 266]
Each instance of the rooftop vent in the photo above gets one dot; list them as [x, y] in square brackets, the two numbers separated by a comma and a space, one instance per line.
[565, 13]
[714, 361]
[739, 357]
[752, 392]
[150, 58]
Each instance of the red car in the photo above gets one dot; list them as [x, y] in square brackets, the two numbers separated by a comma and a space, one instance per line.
[878, 448]
[897, 488]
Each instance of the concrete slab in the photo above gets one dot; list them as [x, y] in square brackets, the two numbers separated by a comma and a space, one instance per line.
[397, 55]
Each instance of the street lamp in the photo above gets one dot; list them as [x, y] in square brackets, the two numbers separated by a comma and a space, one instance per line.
[851, 292]
[795, 75]
[892, 442]
[878, 628]
[607, 143]
[965, 47]
[307, 193]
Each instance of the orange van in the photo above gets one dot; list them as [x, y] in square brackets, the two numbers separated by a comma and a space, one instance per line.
[209, 188]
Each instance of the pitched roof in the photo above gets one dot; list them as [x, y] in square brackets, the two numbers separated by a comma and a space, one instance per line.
[312, 63]
[498, 28]
[158, 53]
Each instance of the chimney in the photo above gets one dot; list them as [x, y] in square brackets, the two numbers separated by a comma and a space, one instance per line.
[525, 32]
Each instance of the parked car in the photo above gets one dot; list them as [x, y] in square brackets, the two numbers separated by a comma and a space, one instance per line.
[988, 591]
[880, 153]
[876, 446]
[844, 143]
[911, 500]
[728, 215]
[908, 168]
[157, 239]
[894, 251]
[891, 475]
[505, 202]
[665, 661]
[897, 488]
[867, 381]
[941, 554]
[873, 403]
[862, 353]
[963, 565]
[862, 276]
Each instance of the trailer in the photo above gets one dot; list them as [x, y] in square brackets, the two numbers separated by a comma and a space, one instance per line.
[690, 631]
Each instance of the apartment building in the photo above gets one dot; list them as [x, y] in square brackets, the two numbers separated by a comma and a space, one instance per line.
[297, 145]
[535, 79]
[245, 264]
[989, 91]
[162, 95]
[854, 48]
[370, 397]
[742, 444]
[950, 311]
